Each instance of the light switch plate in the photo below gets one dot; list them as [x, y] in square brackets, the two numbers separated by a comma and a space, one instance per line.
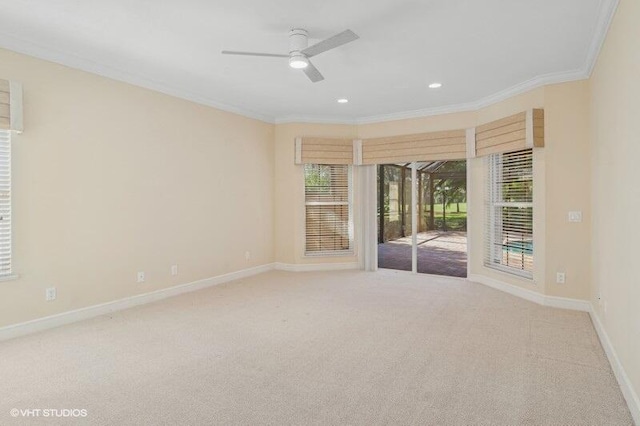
[50, 294]
[575, 216]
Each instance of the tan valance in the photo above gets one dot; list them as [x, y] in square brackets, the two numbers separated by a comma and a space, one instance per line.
[519, 131]
[10, 105]
[514, 133]
[447, 145]
[311, 150]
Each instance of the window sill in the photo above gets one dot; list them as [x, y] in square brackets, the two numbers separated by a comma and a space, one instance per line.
[12, 277]
[511, 272]
[345, 253]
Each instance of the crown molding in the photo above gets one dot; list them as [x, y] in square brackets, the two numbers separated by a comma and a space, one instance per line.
[518, 89]
[314, 119]
[73, 61]
[607, 12]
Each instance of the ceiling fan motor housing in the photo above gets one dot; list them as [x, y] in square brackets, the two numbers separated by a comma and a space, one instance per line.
[298, 41]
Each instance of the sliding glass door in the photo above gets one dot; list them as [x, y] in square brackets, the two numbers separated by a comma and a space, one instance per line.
[422, 217]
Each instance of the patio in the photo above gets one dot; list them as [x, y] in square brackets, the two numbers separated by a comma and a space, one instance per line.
[439, 253]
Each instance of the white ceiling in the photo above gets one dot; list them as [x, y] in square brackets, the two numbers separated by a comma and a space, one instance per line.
[481, 51]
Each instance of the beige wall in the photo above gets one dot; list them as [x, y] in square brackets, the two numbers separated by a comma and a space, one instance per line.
[568, 188]
[615, 120]
[110, 179]
[433, 123]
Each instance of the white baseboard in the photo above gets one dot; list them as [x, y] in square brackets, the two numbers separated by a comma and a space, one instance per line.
[623, 380]
[63, 318]
[532, 296]
[307, 267]
[567, 303]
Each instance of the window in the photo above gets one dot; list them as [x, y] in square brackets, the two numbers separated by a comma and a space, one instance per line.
[509, 202]
[328, 210]
[5, 204]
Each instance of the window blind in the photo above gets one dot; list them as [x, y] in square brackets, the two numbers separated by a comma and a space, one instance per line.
[5, 203]
[328, 199]
[509, 216]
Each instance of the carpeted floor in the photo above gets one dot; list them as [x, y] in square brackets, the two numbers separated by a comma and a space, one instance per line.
[324, 348]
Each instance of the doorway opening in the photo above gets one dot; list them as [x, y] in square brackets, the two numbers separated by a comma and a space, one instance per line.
[440, 244]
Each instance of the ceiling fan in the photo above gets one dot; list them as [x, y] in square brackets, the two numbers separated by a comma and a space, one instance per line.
[300, 52]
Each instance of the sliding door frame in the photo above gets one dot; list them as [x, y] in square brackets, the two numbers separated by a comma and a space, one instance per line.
[369, 220]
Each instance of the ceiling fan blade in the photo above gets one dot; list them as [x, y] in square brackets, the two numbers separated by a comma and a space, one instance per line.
[313, 73]
[271, 55]
[337, 40]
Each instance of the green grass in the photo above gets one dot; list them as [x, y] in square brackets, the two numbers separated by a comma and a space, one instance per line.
[451, 209]
[456, 221]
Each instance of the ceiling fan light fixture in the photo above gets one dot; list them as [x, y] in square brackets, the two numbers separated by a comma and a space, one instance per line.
[300, 51]
[298, 62]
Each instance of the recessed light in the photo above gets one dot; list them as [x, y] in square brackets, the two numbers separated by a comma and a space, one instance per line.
[343, 100]
[435, 85]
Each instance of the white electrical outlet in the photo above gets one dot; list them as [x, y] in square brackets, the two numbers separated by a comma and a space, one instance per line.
[174, 269]
[575, 217]
[50, 294]
[247, 255]
[560, 277]
[140, 277]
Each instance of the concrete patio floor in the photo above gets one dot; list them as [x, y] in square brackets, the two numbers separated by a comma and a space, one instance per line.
[439, 253]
